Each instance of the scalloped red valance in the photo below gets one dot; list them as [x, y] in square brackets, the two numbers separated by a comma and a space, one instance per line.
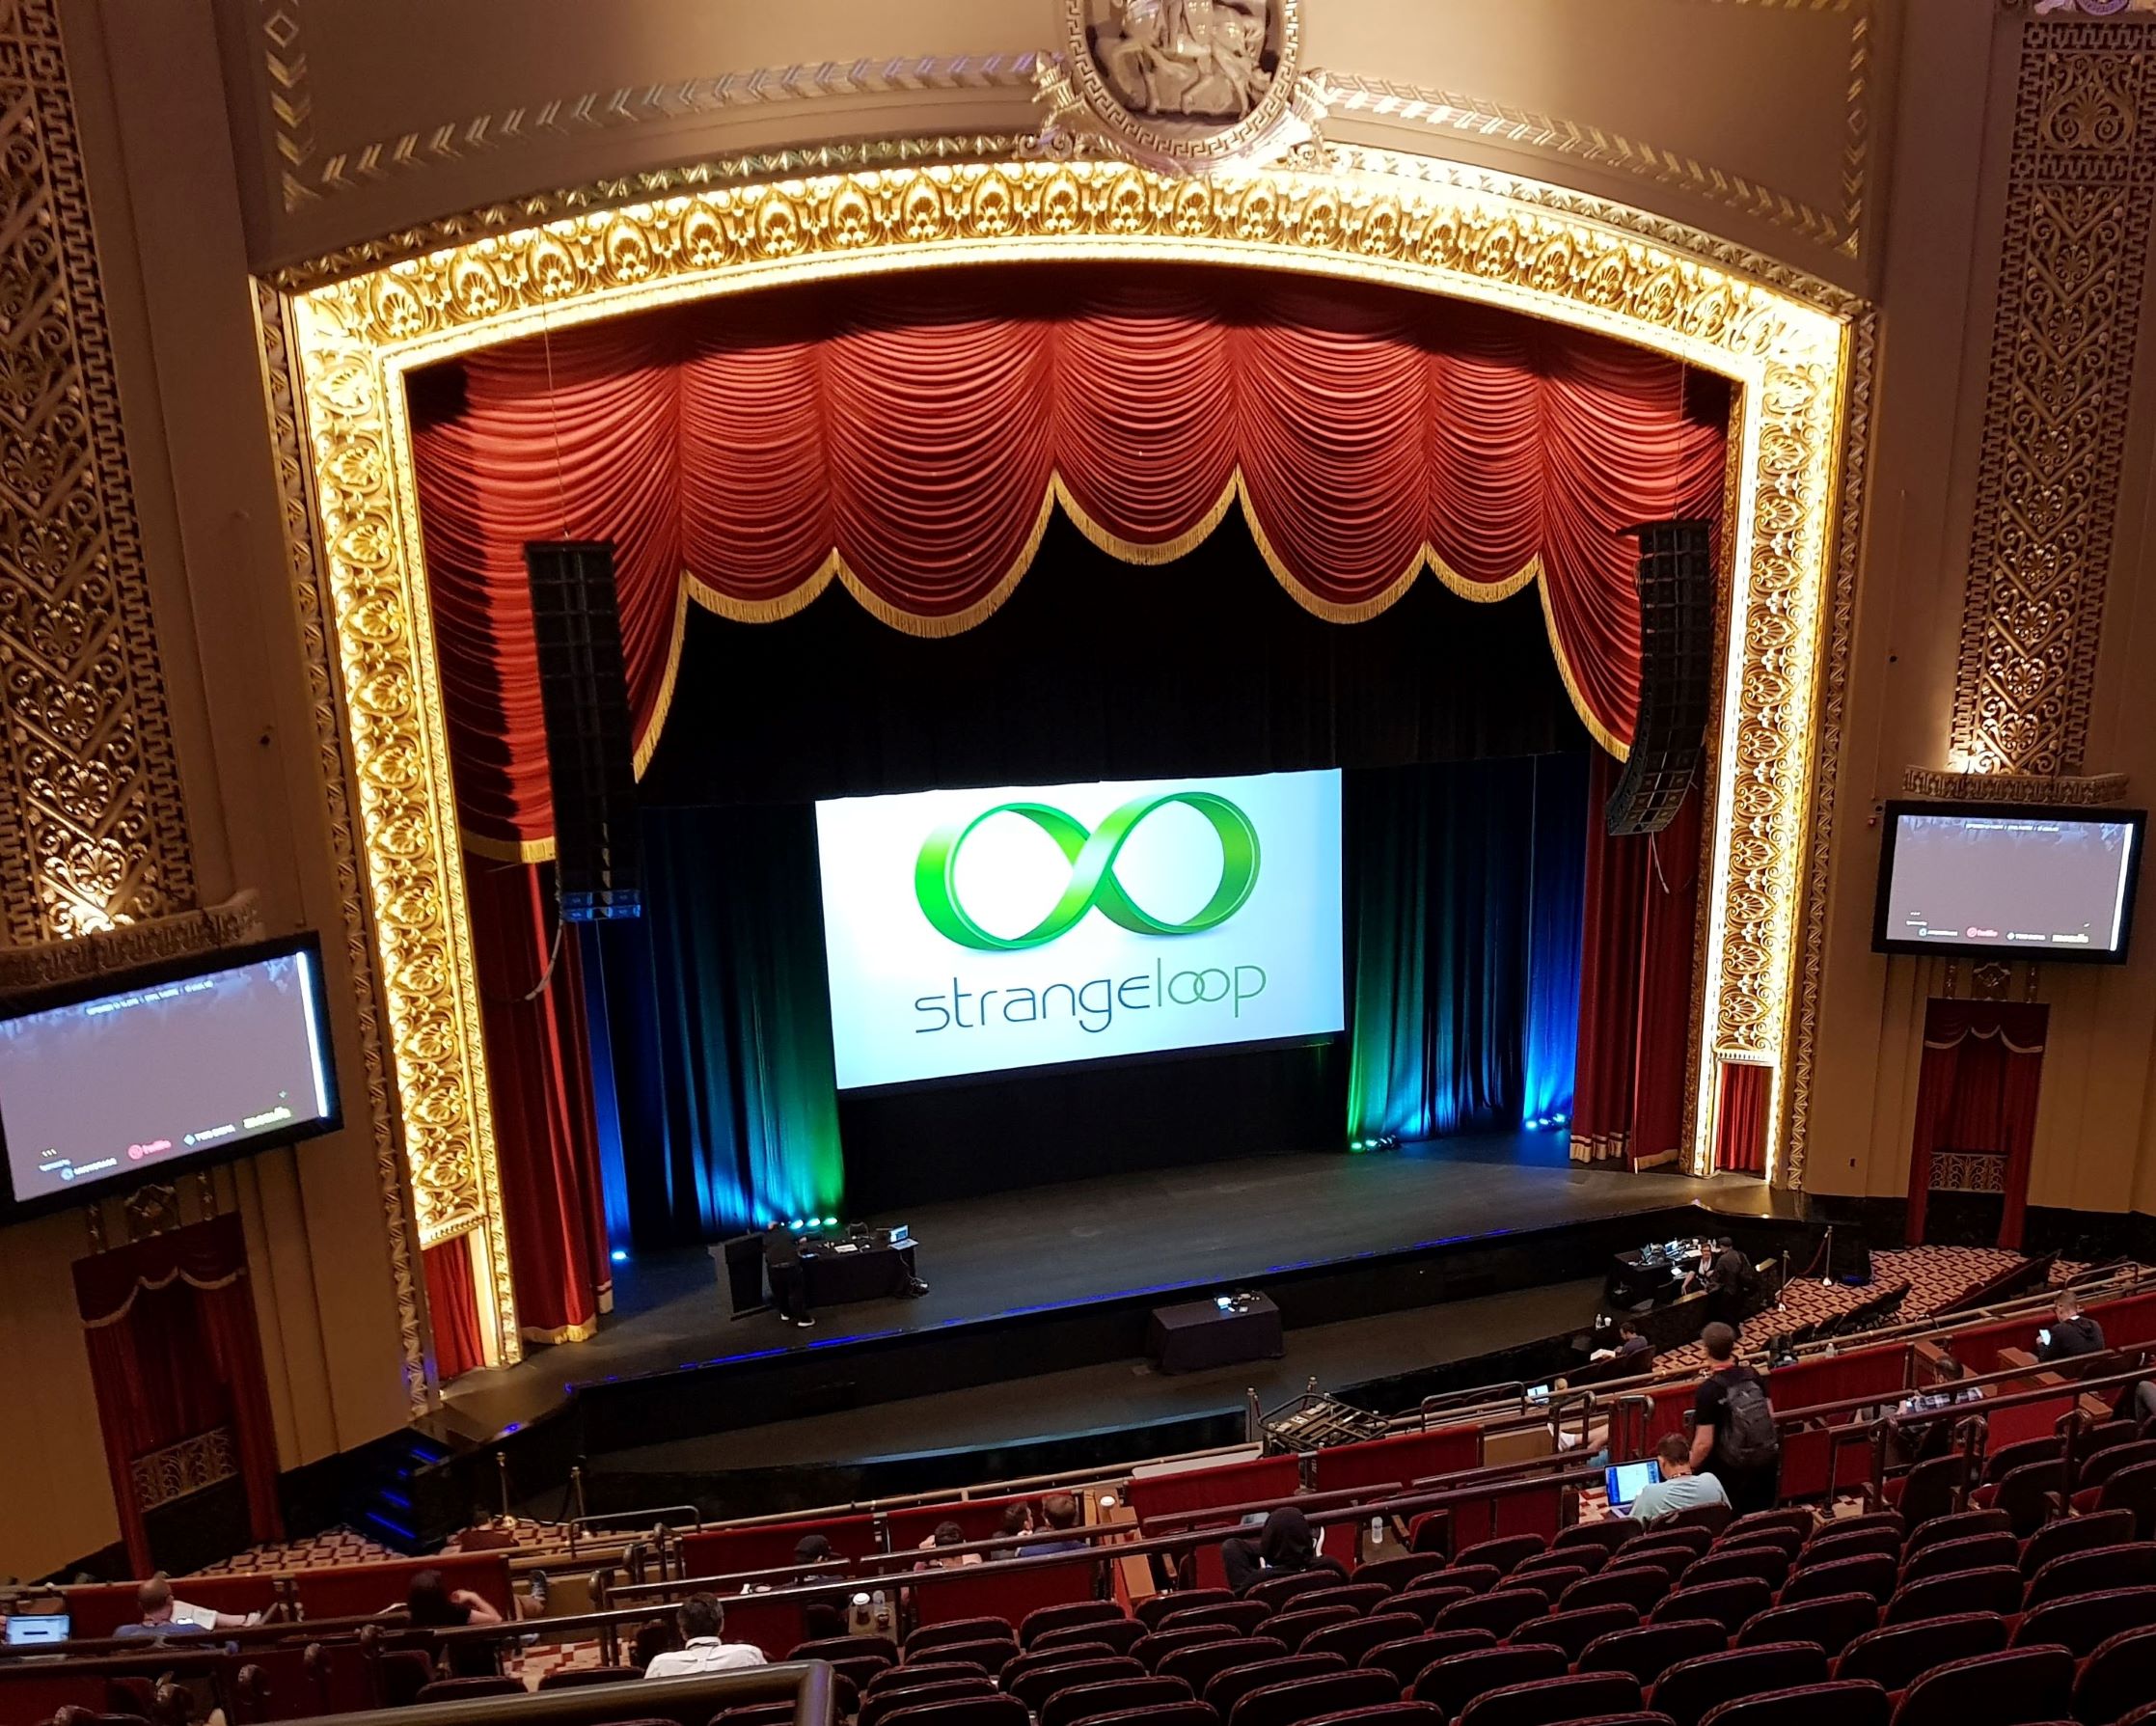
[906, 436]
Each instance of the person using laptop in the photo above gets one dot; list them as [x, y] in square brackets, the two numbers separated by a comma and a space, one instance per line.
[1679, 1489]
[2070, 1333]
[164, 1616]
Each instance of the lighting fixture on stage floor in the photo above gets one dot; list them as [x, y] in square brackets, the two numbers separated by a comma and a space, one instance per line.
[619, 1255]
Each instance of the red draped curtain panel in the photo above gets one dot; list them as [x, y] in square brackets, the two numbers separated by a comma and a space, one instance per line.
[1740, 1118]
[452, 1304]
[174, 1353]
[908, 436]
[545, 1129]
[1983, 1062]
[1636, 944]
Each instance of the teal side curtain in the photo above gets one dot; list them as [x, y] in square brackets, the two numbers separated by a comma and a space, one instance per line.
[1460, 897]
[717, 1030]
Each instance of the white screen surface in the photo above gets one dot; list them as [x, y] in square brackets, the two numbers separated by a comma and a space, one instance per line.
[983, 930]
[2013, 883]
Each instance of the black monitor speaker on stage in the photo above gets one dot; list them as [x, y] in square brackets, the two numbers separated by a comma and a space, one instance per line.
[590, 761]
[1676, 673]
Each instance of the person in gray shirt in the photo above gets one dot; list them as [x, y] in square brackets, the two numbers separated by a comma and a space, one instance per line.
[1679, 1489]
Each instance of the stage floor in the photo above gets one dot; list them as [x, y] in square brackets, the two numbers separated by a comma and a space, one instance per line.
[1045, 1247]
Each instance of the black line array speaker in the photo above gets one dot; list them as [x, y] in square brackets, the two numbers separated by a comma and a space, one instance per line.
[1676, 651]
[591, 760]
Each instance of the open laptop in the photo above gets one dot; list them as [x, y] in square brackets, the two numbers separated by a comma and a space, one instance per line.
[1626, 1481]
[27, 1629]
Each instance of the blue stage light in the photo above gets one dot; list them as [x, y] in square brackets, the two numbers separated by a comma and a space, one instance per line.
[619, 1255]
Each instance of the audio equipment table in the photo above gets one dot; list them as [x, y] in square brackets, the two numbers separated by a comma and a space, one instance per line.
[865, 1264]
[1218, 1333]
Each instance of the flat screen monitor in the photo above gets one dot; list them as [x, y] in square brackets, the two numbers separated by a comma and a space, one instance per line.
[105, 1082]
[1626, 1481]
[2008, 881]
[1019, 926]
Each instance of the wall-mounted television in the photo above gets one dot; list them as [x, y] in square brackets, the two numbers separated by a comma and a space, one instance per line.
[105, 1082]
[2009, 881]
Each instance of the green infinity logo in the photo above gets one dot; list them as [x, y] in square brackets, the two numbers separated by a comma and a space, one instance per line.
[1092, 859]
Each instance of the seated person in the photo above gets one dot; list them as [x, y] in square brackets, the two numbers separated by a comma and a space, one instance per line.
[1283, 1548]
[164, 1616]
[819, 1618]
[948, 1534]
[1679, 1489]
[1060, 1516]
[660, 1636]
[431, 1605]
[2070, 1333]
[702, 1622]
[1017, 1521]
[1631, 1347]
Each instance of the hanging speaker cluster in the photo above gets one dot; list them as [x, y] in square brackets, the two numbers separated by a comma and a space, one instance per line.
[1677, 652]
[590, 760]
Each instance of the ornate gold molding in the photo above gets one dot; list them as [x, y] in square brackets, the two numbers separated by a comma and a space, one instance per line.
[93, 832]
[1833, 702]
[192, 1466]
[2081, 184]
[2067, 792]
[126, 946]
[306, 176]
[324, 706]
[1424, 226]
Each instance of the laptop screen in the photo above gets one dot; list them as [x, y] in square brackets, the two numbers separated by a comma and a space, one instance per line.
[1627, 1480]
[26, 1627]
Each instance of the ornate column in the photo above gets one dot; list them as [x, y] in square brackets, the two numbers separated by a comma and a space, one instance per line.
[2081, 185]
[91, 828]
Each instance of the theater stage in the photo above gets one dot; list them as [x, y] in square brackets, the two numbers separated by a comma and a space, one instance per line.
[1060, 1279]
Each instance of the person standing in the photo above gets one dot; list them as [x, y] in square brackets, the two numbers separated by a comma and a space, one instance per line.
[1733, 1434]
[789, 1284]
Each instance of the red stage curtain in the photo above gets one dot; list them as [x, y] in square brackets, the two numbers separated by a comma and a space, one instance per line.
[1636, 941]
[453, 1304]
[545, 1132]
[1740, 1121]
[169, 1322]
[1983, 1063]
[906, 436]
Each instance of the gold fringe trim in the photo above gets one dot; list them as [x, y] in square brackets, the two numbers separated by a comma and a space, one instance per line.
[582, 1332]
[1059, 495]
[145, 1284]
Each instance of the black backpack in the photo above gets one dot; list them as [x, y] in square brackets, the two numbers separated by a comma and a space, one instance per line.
[1747, 1438]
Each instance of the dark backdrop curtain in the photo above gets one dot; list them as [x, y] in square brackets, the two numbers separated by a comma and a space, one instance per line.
[174, 1353]
[1983, 1062]
[718, 1018]
[1445, 864]
[1637, 938]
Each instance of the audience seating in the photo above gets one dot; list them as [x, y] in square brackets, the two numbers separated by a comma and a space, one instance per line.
[1843, 1702]
[1832, 1621]
[1073, 1703]
[1198, 1664]
[1410, 1658]
[1156, 1646]
[2130, 1564]
[2117, 1675]
[1154, 1608]
[1895, 1657]
[1993, 1590]
[1572, 1631]
[2023, 1686]
[2078, 1621]
[1224, 1689]
[1956, 1525]
[1119, 1635]
[1556, 1701]
[1688, 1689]
[1504, 1611]
[1358, 1636]
[1641, 1588]
[2075, 1534]
[879, 1707]
[1653, 1649]
[1304, 1699]
[1452, 1683]
[1035, 1687]
[1973, 1552]
[1726, 1603]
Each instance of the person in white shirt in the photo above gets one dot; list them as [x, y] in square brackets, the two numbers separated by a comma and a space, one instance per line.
[702, 1620]
[1679, 1489]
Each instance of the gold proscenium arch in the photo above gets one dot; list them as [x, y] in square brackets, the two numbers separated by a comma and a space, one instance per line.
[1404, 222]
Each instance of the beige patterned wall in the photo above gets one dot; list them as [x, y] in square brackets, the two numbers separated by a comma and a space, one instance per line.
[91, 828]
[2082, 179]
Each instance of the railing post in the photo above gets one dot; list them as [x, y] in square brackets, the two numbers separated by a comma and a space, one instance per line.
[1253, 1417]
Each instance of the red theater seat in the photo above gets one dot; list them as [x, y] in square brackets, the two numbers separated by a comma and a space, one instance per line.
[1118, 1636]
[1993, 1590]
[1045, 1619]
[1035, 1686]
[958, 1629]
[1200, 1664]
[1688, 1691]
[2079, 1622]
[1358, 1636]
[2074, 1534]
[1224, 1689]
[1455, 1683]
[1572, 1631]
[1833, 1622]
[2019, 1688]
[1408, 1658]
[1653, 1649]
[1304, 1699]
[880, 1705]
[1555, 1701]
[1974, 1551]
[1153, 1649]
[1851, 1703]
[1958, 1525]
[2119, 1676]
[1118, 1695]
[1894, 1658]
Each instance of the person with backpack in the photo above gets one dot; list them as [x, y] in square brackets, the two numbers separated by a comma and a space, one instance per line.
[1733, 1434]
